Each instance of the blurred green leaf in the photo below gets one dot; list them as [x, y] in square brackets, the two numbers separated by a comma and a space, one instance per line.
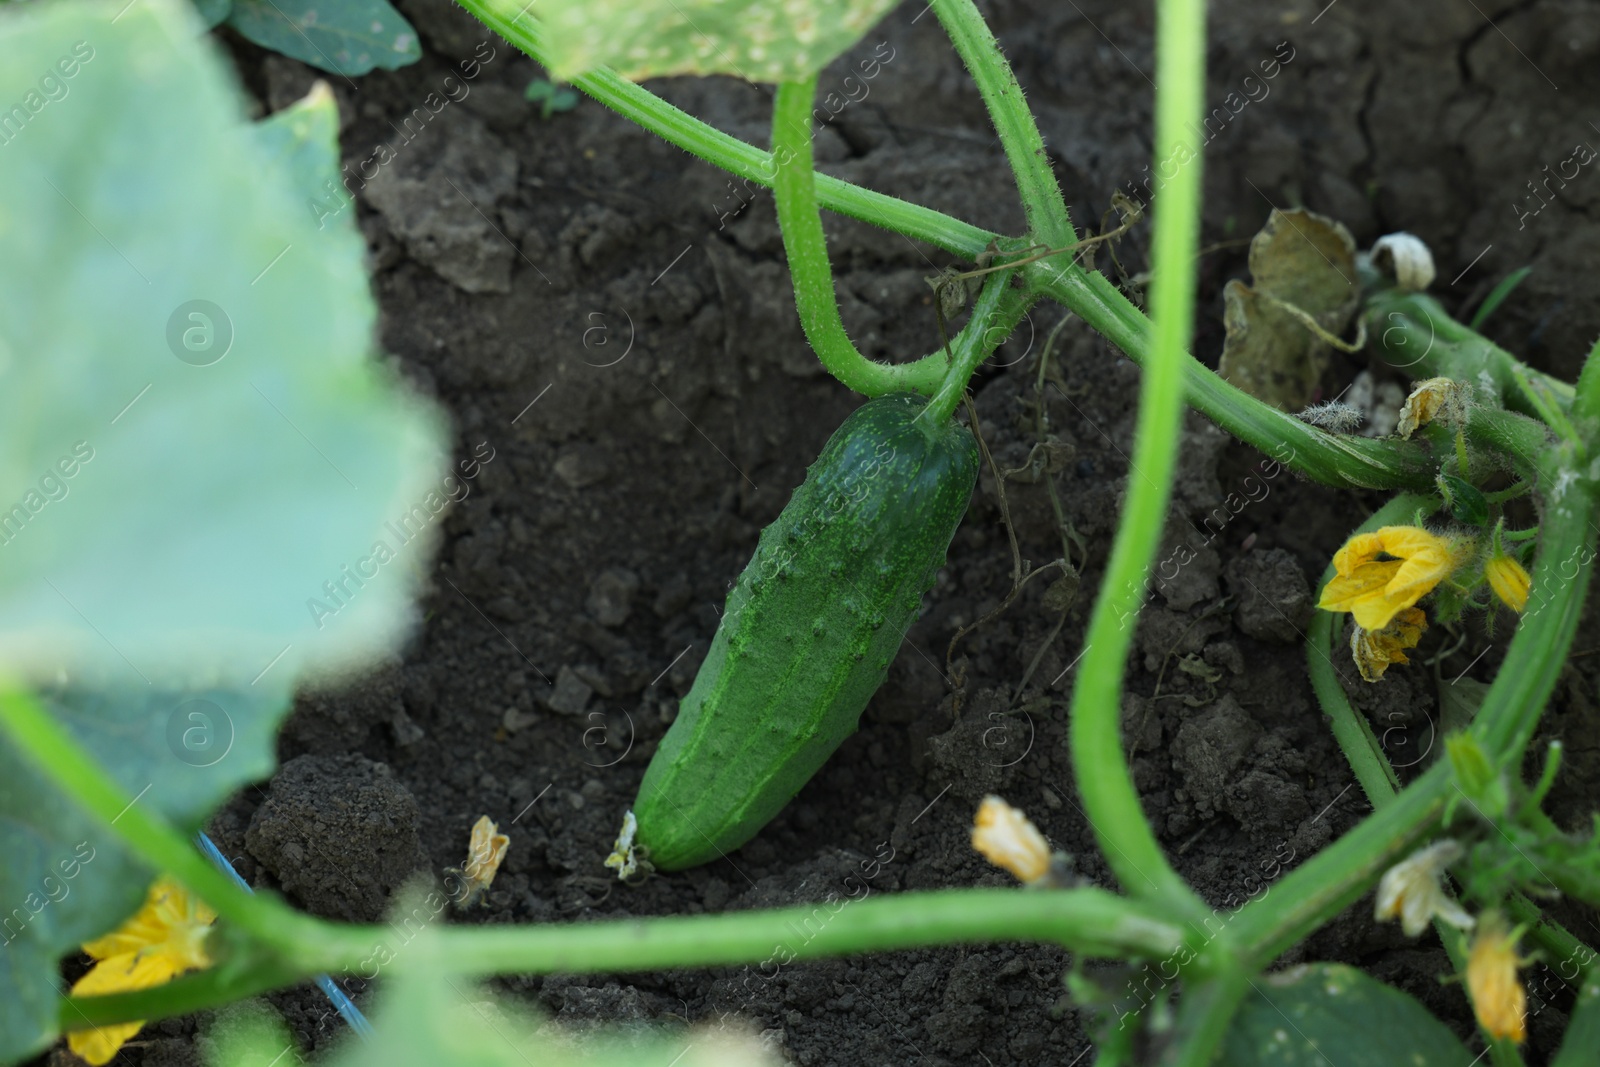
[195, 438]
[424, 1018]
[758, 40]
[302, 140]
[177, 478]
[213, 12]
[249, 1033]
[550, 96]
[1323, 1013]
[347, 37]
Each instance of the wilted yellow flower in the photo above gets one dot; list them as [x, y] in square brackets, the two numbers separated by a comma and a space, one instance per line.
[1498, 998]
[624, 858]
[1375, 650]
[165, 938]
[1413, 891]
[1431, 399]
[485, 850]
[1007, 839]
[1376, 589]
[1509, 581]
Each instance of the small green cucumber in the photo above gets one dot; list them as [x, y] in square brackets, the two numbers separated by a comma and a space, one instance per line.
[808, 634]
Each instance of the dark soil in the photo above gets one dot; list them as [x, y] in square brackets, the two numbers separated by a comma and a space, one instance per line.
[616, 333]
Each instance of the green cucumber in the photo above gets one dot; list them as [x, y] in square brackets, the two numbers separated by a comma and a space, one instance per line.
[808, 634]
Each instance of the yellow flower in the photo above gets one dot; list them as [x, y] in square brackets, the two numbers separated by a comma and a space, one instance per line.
[1509, 581]
[1497, 996]
[1438, 398]
[485, 851]
[165, 938]
[1374, 589]
[1375, 650]
[1007, 839]
[1412, 890]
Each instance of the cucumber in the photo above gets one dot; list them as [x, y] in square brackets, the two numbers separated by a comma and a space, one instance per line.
[808, 634]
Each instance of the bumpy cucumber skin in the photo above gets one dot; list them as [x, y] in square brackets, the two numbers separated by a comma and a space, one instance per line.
[809, 630]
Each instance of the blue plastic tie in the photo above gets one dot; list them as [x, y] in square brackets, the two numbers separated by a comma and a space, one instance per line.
[346, 1006]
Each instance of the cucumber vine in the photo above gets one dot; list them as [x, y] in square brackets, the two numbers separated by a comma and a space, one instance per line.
[1544, 431]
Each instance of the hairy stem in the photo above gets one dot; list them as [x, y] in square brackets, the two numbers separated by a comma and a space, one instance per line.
[807, 251]
[1099, 764]
[1416, 335]
[1338, 460]
[1204, 1016]
[1046, 209]
[1586, 403]
[996, 304]
[511, 20]
[1088, 921]
[1333, 460]
[1332, 879]
[286, 945]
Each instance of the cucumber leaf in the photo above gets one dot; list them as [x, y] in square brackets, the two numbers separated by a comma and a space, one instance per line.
[1467, 503]
[1324, 1013]
[757, 40]
[213, 12]
[197, 453]
[66, 878]
[193, 439]
[248, 1033]
[347, 37]
[1299, 262]
[302, 140]
[424, 1018]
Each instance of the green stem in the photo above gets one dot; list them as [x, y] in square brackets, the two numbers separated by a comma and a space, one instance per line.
[1337, 461]
[1350, 728]
[1586, 402]
[1046, 209]
[973, 346]
[1099, 764]
[1419, 337]
[1560, 585]
[57, 755]
[1510, 440]
[1560, 945]
[1360, 745]
[1522, 488]
[1204, 1014]
[1088, 921]
[1372, 768]
[1332, 879]
[807, 251]
[185, 995]
[510, 20]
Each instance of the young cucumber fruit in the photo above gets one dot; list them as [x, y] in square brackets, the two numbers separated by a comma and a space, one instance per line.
[808, 634]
